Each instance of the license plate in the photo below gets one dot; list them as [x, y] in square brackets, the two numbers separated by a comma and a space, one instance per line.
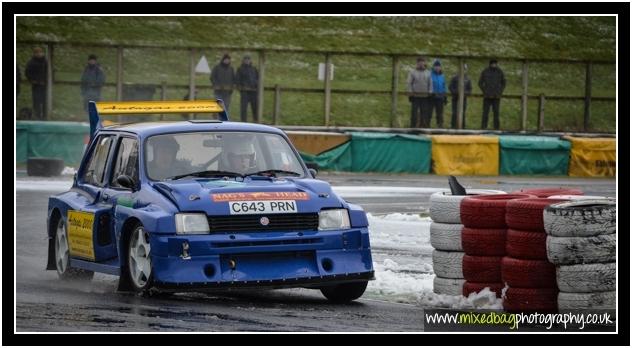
[262, 207]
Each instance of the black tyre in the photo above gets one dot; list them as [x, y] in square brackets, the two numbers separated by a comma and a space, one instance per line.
[42, 166]
[62, 256]
[344, 293]
[139, 267]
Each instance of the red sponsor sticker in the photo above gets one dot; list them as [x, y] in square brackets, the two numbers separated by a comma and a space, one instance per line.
[259, 196]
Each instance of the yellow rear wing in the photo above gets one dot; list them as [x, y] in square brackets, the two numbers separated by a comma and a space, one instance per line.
[159, 107]
[95, 109]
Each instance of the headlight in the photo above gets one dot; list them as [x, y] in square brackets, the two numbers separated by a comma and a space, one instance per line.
[333, 219]
[191, 224]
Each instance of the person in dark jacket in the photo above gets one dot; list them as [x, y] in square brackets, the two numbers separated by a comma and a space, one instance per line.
[36, 72]
[438, 92]
[454, 90]
[92, 80]
[492, 83]
[247, 82]
[223, 80]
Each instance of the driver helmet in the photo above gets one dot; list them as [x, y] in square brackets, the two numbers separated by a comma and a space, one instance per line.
[240, 154]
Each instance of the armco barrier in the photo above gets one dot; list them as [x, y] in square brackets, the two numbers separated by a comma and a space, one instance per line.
[533, 155]
[465, 154]
[63, 140]
[593, 156]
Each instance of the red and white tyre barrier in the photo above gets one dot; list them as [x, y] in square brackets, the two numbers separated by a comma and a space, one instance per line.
[530, 300]
[550, 191]
[487, 211]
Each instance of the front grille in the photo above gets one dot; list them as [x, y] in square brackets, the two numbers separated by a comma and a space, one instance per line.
[278, 222]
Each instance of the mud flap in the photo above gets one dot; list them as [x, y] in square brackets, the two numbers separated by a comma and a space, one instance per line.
[51, 255]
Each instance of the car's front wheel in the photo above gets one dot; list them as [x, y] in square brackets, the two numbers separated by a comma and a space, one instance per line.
[346, 292]
[62, 256]
[139, 260]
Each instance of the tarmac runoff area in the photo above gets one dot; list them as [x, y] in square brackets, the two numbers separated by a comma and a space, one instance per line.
[397, 206]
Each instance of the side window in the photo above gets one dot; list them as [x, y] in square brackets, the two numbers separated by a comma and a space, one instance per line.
[126, 162]
[98, 160]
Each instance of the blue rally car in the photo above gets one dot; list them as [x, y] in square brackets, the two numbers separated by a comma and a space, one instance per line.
[203, 204]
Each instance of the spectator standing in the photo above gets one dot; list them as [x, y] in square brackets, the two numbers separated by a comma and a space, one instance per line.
[438, 92]
[492, 83]
[247, 82]
[36, 71]
[223, 80]
[419, 87]
[92, 81]
[454, 90]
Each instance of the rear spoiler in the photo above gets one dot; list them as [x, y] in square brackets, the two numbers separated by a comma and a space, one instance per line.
[97, 109]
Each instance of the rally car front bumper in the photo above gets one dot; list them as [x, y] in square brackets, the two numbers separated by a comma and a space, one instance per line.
[270, 259]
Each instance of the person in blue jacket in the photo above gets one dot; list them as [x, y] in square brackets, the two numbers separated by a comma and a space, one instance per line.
[439, 98]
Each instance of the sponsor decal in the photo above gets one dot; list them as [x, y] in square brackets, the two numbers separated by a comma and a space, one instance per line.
[259, 196]
[80, 234]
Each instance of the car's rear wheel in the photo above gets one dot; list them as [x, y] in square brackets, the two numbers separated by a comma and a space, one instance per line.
[139, 260]
[62, 256]
[344, 293]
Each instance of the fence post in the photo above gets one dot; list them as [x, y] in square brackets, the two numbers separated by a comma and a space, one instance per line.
[327, 88]
[541, 101]
[525, 84]
[394, 92]
[192, 74]
[588, 95]
[461, 102]
[119, 73]
[49, 81]
[260, 86]
[277, 105]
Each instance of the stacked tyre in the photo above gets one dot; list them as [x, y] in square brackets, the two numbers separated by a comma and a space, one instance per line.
[483, 240]
[530, 277]
[581, 242]
[548, 192]
[445, 237]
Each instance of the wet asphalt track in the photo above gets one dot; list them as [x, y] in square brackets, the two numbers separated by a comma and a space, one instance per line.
[43, 303]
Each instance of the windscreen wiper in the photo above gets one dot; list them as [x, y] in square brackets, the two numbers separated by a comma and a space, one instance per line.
[274, 171]
[206, 173]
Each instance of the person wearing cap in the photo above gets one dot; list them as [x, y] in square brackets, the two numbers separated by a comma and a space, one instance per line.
[223, 80]
[454, 90]
[438, 92]
[492, 84]
[247, 82]
[419, 88]
[92, 80]
[36, 72]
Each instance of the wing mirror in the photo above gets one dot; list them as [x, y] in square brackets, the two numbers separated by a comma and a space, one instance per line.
[312, 167]
[126, 181]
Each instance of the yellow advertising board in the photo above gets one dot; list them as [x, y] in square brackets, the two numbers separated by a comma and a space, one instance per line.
[315, 143]
[465, 154]
[593, 156]
[80, 241]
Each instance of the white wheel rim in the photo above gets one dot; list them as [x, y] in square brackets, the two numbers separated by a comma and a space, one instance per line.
[61, 248]
[139, 262]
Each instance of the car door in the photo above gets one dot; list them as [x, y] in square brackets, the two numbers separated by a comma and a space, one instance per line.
[125, 162]
[86, 223]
